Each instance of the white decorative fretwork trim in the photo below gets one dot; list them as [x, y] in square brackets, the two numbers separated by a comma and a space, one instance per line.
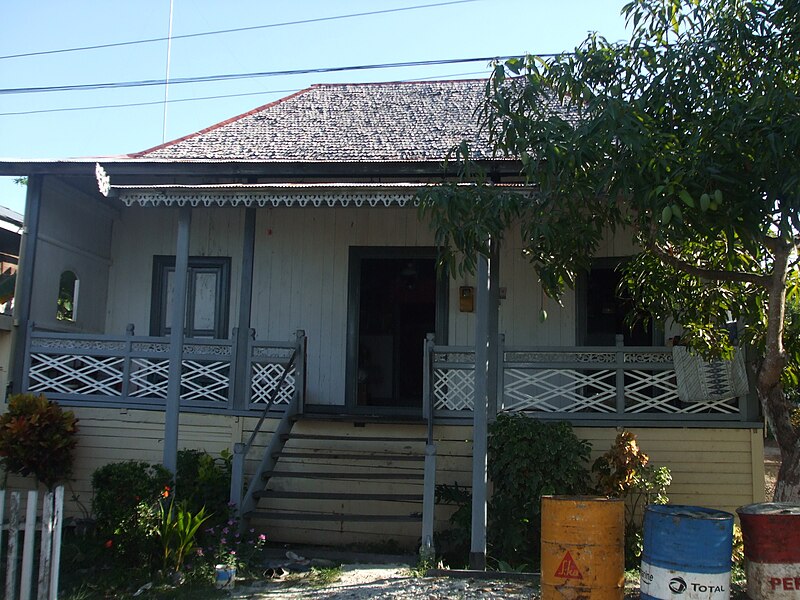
[263, 199]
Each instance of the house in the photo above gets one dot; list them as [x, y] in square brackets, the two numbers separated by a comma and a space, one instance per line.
[311, 289]
[10, 233]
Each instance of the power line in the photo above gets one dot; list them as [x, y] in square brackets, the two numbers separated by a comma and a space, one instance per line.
[236, 30]
[234, 76]
[152, 103]
[201, 98]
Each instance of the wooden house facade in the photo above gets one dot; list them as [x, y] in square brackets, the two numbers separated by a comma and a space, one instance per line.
[288, 242]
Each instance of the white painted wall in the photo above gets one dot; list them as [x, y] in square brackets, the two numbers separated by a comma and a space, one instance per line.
[83, 246]
[142, 233]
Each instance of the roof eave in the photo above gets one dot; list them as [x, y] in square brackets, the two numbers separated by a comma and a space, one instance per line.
[123, 166]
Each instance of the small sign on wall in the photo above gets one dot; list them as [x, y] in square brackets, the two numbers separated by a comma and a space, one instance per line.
[466, 298]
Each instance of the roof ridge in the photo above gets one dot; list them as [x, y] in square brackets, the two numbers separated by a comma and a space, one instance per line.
[397, 82]
[143, 153]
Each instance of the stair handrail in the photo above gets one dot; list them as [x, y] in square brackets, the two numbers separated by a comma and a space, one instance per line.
[240, 450]
[270, 401]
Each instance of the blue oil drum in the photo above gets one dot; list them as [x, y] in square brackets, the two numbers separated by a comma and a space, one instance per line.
[687, 553]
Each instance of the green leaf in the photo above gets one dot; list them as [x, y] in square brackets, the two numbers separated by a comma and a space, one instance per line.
[687, 198]
[666, 215]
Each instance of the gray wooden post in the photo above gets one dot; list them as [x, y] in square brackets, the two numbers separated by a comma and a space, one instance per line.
[300, 371]
[427, 550]
[176, 337]
[493, 330]
[477, 555]
[240, 371]
[619, 358]
[23, 293]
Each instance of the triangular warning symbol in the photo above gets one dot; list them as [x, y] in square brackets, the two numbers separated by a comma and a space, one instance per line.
[568, 569]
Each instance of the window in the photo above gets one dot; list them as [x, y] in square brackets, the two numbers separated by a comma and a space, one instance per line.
[603, 308]
[207, 296]
[67, 303]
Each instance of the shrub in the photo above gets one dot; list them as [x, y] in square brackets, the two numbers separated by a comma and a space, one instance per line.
[453, 544]
[204, 482]
[127, 498]
[529, 459]
[624, 472]
[120, 487]
[37, 438]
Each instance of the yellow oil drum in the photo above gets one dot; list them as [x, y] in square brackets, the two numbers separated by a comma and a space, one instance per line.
[583, 548]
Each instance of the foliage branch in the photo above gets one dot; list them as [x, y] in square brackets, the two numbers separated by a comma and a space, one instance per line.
[625, 472]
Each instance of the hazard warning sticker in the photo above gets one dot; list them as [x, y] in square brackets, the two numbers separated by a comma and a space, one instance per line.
[568, 569]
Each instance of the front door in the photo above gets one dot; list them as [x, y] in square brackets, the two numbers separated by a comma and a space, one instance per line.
[396, 298]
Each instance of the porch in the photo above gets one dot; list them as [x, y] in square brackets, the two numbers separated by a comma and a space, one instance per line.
[616, 385]
[394, 468]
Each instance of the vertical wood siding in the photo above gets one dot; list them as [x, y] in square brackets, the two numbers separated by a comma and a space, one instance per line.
[300, 278]
[141, 233]
[84, 248]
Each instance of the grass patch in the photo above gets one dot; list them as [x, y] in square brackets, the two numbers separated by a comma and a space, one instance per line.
[322, 576]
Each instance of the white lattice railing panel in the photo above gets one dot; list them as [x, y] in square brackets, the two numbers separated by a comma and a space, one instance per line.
[265, 377]
[76, 374]
[149, 378]
[453, 389]
[647, 391]
[560, 390]
[650, 391]
[622, 382]
[205, 381]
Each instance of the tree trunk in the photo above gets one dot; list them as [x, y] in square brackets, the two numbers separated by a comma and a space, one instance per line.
[788, 485]
[769, 386]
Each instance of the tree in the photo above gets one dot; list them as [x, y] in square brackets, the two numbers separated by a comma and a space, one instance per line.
[686, 136]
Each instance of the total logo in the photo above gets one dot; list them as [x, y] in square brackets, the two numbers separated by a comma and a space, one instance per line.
[678, 585]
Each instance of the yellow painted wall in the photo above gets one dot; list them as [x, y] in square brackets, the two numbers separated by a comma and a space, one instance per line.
[720, 468]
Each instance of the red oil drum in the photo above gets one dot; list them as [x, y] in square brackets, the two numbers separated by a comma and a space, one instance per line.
[771, 532]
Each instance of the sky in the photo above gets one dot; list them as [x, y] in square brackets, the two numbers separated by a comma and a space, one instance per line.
[456, 29]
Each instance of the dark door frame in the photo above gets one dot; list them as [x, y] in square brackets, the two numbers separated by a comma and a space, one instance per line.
[356, 255]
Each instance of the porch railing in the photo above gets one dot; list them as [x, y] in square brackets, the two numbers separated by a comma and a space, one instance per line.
[618, 383]
[134, 370]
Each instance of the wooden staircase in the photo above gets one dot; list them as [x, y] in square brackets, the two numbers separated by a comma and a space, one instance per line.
[328, 473]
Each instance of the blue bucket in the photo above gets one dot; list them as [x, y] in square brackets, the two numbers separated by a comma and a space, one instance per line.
[687, 553]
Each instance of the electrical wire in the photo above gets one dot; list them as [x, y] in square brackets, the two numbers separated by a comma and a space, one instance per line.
[201, 98]
[235, 76]
[236, 30]
[152, 103]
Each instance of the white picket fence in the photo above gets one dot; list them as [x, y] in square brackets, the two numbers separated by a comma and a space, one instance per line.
[19, 577]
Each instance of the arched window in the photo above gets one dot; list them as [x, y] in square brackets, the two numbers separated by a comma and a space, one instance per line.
[67, 309]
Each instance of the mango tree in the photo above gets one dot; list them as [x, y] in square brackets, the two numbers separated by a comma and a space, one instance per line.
[687, 137]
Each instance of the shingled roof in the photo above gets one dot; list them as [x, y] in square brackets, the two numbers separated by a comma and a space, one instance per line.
[376, 122]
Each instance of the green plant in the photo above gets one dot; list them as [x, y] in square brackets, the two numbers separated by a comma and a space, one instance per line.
[529, 459]
[321, 577]
[119, 488]
[738, 574]
[453, 544]
[37, 437]
[204, 481]
[224, 544]
[177, 531]
[624, 472]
